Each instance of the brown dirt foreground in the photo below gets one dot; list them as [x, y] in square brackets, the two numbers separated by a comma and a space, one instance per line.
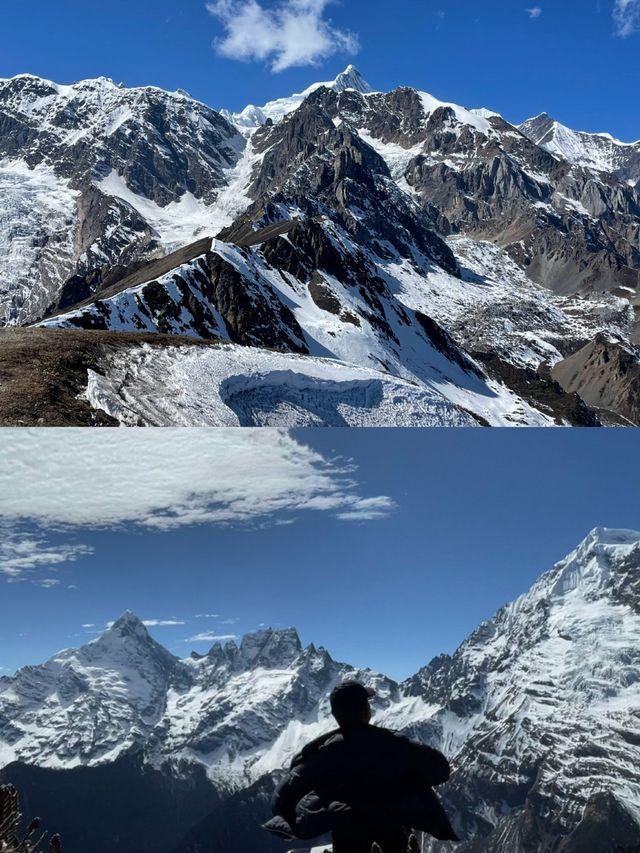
[42, 371]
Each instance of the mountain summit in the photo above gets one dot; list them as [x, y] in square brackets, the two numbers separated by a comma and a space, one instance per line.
[253, 117]
[351, 78]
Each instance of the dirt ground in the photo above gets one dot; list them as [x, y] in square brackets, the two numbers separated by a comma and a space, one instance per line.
[42, 372]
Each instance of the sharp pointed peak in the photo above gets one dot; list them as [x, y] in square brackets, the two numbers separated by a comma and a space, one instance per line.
[351, 78]
[127, 624]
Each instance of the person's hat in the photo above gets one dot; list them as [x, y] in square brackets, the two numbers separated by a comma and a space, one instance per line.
[349, 696]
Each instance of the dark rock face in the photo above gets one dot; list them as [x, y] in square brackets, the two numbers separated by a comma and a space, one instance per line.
[542, 391]
[571, 230]
[606, 375]
[312, 165]
[162, 144]
[253, 315]
[192, 292]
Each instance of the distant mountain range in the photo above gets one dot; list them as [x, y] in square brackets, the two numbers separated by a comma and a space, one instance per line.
[386, 246]
[120, 742]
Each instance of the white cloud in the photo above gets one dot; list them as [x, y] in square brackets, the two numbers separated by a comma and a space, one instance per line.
[211, 638]
[47, 583]
[20, 553]
[207, 616]
[366, 509]
[535, 12]
[626, 15]
[164, 479]
[160, 480]
[292, 33]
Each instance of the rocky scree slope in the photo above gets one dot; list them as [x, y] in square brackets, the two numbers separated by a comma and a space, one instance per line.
[538, 710]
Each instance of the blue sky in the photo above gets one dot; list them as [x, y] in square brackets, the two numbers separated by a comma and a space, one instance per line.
[385, 546]
[577, 59]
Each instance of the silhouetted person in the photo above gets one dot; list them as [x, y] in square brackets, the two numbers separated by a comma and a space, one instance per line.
[364, 783]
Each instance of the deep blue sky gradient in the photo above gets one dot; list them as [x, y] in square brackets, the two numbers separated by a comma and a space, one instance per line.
[567, 62]
[480, 515]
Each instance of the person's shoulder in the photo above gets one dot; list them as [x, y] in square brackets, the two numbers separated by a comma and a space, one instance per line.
[313, 747]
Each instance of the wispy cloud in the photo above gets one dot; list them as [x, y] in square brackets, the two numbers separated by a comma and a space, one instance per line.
[207, 616]
[365, 509]
[292, 33]
[536, 12]
[626, 16]
[208, 637]
[61, 481]
[179, 478]
[21, 553]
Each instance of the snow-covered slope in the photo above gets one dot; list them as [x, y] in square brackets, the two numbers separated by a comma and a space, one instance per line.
[541, 703]
[37, 216]
[538, 709]
[241, 386]
[406, 369]
[598, 151]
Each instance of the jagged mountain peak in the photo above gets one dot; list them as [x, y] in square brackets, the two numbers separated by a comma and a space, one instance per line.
[601, 152]
[351, 78]
[128, 625]
[27, 82]
[125, 642]
[269, 648]
[592, 571]
[252, 116]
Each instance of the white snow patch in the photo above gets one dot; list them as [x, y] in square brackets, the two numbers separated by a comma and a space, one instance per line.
[478, 119]
[230, 385]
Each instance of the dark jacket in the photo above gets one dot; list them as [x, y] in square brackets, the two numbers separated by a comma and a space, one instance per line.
[362, 775]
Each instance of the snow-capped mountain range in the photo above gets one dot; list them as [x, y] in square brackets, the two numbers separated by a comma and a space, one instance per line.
[598, 151]
[539, 711]
[391, 232]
